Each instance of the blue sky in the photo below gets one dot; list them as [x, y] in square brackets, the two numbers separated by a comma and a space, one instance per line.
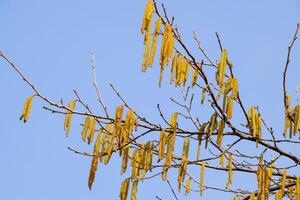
[52, 41]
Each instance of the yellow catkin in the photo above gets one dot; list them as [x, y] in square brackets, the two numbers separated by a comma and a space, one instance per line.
[220, 132]
[173, 68]
[287, 100]
[194, 76]
[26, 108]
[184, 159]
[134, 163]
[297, 119]
[268, 177]
[199, 137]
[149, 155]
[162, 143]
[259, 132]
[118, 125]
[91, 131]
[221, 91]
[188, 186]
[297, 192]
[179, 70]
[288, 122]
[103, 145]
[169, 154]
[221, 68]
[260, 177]
[229, 85]
[142, 162]
[283, 180]
[129, 122]
[111, 139]
[230, 172]
[252, 196]
[149, 9]
[202, 177]
[186, 72]
[235, 86]
[166, 49]
[134, 190]
[125, 158]
[203, 95]
[124, 189]
[136, 124]
[154, 41]
[229, 108]
[221, 160]
[173, 121]
[255, 123]
[278, 195]
[213, 123]
[94, 164]
[85, 128]
[146, 52]
[170, 145]
[68, 119]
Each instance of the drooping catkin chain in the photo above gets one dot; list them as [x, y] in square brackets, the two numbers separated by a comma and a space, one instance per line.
[260, 177]
[252, 196]
[162, 145]
[184, 158]
[85, 128]
[195, 76]
[292, 119]
[297, 192]
[166, 51]
[278, 195]
[199, 137]
[26, 108]
[221, 70]
[147, 18]
[188, 186]
[68, 118]
[255, 124]
[146, 52]
[213, 124]
[134, 190]
[146, 26]
[154, 42]
[117, 129]
[222, 160]
[297, 119]
[94, 164]
[125, 158]
[283, 181]
[288, 124]
[267, 180]
[230, 172]
[202, 177]
[170, 142]
[124, 189]
[220, 132]
[91, 132]
[111, 142]
[180, 70]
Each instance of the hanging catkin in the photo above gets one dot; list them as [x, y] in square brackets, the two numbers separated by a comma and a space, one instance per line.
[68, 119]
[26, 109]
[202, 177]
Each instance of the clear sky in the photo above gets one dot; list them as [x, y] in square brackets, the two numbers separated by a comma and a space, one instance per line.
[52, 42]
